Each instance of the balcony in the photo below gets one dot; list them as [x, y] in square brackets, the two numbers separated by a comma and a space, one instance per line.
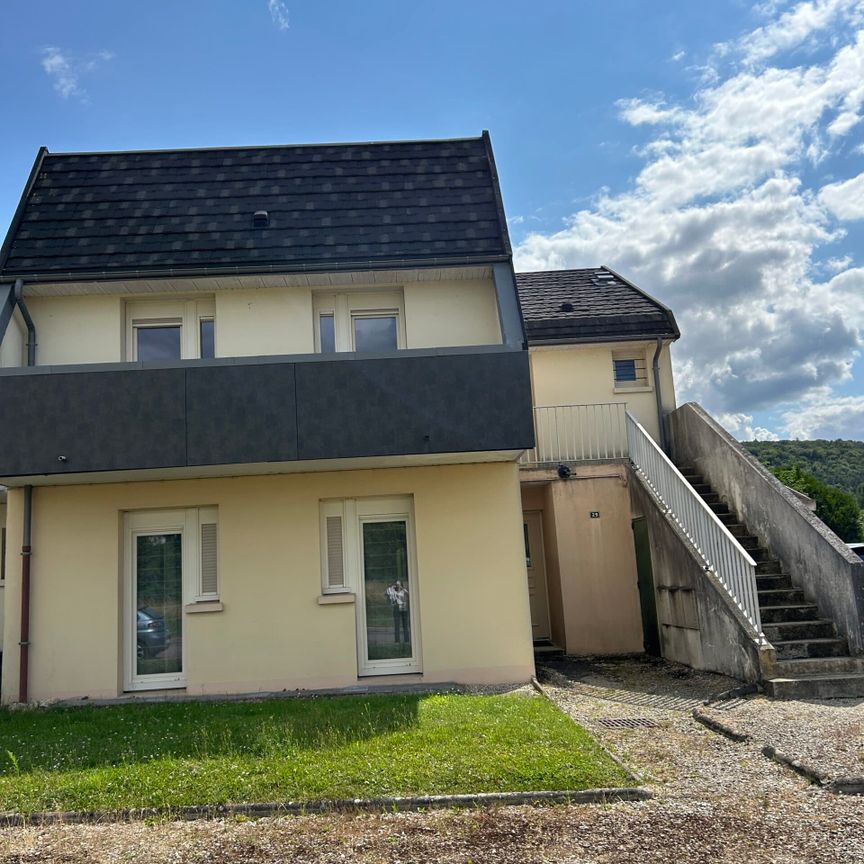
[131, 416]
[578, 433]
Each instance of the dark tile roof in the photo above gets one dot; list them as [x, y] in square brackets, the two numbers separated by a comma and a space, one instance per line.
[330, 207]
[603, 306]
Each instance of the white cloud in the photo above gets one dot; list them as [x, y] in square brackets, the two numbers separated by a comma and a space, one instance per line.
[840, 417]
[720, 224]
[793, 28]
[846, 198]
[279, 14]
[741, 426]
[66, 70]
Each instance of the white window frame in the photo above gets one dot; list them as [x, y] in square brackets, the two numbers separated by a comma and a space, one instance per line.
[355, 512]
[187, 523]
[201, 320]
[639, 355]
[187, 314]
[348, 306]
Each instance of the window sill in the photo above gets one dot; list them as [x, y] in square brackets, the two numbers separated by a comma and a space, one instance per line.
[646, 389]
[204, 606]
[333, 599]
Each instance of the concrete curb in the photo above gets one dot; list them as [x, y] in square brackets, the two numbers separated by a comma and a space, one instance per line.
[338, 805]
[718, 727]
[839, 785]
[631, 774]
[814, 775]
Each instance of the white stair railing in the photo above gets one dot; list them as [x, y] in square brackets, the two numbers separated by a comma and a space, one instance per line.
[578, 433]
[722, 553]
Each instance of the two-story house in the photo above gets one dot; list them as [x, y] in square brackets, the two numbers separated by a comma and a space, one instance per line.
[266, 423]
[260, 416]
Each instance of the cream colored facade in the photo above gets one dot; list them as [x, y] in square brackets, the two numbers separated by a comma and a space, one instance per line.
[593, 594]
[3, 581]
[274, 631]
[590, 562]
[583, 375]
[254, 318]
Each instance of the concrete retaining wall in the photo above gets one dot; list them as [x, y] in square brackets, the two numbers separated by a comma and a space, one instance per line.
[818, 561]
[699, 625]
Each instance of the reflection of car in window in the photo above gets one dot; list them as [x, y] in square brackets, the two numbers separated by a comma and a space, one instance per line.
[858, 549]
[153, 636]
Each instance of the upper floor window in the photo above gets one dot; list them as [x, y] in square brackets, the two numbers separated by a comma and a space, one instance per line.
[366, 323]
[170, 329]
[630, 369]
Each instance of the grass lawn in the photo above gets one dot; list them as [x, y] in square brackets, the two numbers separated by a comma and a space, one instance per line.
[174, 754]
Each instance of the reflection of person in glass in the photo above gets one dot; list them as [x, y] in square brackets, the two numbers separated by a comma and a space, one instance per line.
[397, 596]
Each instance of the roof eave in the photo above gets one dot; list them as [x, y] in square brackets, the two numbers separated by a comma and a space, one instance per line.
[238, 270]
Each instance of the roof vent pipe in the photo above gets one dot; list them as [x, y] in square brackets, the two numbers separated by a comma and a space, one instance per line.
[260, 219]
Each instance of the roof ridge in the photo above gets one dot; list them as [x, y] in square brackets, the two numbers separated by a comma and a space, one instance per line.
[235, 147]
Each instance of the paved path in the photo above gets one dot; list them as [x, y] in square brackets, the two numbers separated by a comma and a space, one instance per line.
[716, 802]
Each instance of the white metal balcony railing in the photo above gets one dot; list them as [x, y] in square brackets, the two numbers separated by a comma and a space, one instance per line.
[578, 433]
[722, 553]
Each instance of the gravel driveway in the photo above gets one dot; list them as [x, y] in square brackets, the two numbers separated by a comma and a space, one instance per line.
[715, 801]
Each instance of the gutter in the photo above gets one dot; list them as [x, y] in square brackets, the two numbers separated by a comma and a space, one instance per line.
[26, 548]
[655, 365]
[275, 268]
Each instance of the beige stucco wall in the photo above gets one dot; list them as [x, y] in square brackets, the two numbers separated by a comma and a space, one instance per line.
[259, 321]
[444, 314]
[582, 375]
[14, 341]
[86, 329]
[590, 563]
[9, 544]
[272, 633]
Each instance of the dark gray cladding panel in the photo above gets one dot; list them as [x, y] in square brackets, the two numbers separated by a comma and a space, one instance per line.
[98, 421]
[432, 404]
[241, 414]
[275, 410]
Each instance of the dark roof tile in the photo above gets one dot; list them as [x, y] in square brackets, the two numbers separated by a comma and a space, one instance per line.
[589, 305]
[104, 213]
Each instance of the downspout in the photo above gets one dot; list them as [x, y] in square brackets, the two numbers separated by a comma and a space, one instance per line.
[655, 365]
[26, 551]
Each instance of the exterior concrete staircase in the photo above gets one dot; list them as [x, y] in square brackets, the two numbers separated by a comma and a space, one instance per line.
[812, 660]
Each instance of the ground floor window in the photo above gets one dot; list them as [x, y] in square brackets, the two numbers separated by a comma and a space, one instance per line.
[368, 549]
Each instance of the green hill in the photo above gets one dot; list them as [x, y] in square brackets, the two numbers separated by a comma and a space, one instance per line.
[838, 463]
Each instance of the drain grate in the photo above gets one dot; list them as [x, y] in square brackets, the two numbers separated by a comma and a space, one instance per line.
[626, 723]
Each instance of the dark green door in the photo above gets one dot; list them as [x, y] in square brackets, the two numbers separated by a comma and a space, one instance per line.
[645, 577]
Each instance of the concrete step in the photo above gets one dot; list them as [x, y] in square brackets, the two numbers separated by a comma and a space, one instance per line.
[799, 648]
[772, 581]
[737, 529]
[766, 568]
[819, 666]
[700, 487]
[762, 555]
[785, 631]
[726, 518]
[816, 687]
[720, 509]
[748, 541]
[781, 614]
[781, 597]
[710, 497]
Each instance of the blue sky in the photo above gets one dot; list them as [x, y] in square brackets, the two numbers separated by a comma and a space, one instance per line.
[711, 151]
